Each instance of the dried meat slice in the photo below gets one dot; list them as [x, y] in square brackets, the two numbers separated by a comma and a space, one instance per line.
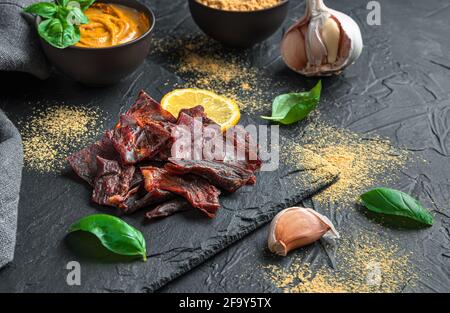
[225, 176]
[196, 112]
[135, 143]
[137, 180]
[84, 162]
[244, 152]
[146, 109]
[141, 199]
[129, 140]
[160, 138]
[236, 146]
[112, 180]
[195, 135]
[168, 208]
[196, 190]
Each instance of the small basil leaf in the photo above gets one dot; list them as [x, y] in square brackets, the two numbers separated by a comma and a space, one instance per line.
[394, 202]
[84, 4]
[44, 9]
[114, 234]
[62, 13]
[59, 33]
[76, 17]
[293, 107]
[51, 31]
[63, 2]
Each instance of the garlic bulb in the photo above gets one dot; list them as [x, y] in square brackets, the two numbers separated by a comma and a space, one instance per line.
[296, 227]
[323, 42]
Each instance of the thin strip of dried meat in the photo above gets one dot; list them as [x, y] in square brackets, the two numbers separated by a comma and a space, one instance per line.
[137, 180]
[146, 109]
[225, 176]
[84, 162]
[112, 180]
[193, 133]
[235, 146]
[196, 112]
[138, 197]
[135, 143]
[245, 153]
[196, 190]
[168, 208]
[141, 199]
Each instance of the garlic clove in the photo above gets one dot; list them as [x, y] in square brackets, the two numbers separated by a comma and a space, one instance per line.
[331, 41]
[293, 51]
[296, 227]
[316, 50]
[331, 33]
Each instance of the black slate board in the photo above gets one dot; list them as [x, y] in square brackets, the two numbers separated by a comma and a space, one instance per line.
[51, 202]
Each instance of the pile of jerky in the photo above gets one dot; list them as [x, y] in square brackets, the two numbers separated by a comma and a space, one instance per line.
[141, 163]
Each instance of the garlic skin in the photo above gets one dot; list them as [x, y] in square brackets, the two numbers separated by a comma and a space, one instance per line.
[322, 43]
[296, 227]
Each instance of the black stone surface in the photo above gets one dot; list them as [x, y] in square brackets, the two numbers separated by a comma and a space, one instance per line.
[398, 89]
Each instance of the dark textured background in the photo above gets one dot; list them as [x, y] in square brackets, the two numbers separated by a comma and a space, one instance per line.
[398, 89]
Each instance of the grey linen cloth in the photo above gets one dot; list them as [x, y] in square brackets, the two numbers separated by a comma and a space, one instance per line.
[11, 161]
[19, 51]
[19, 45]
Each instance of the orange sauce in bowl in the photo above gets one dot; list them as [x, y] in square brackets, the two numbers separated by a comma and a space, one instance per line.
[111, 25]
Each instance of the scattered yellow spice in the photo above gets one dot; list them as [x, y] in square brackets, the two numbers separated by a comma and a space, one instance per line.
[311, 164]
[246, 86]
[240, 5]
[52, 133]
[364, 263]
[214, 67]
[361, 162]
[203, 63]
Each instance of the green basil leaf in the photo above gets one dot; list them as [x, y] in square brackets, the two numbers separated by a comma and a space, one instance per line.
[62, 13]
[59, 33]
[114, 234]
[76, 17]
[394, 202]
[293, 107]
[84, 4]
[44, 9]
[63, 2]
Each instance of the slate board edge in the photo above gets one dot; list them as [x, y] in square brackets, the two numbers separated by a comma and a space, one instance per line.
[226, 241]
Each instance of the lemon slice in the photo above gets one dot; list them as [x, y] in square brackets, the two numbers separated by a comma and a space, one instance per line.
[222, 110]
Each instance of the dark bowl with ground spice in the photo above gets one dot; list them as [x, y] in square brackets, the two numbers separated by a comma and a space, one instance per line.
[238, 25]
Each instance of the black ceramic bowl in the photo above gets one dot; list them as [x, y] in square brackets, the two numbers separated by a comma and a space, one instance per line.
[103, 66]
[238, 29]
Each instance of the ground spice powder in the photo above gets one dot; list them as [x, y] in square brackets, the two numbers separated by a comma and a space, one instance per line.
[361, 162]
[365, 263]
[306, 161]
[202, 63]
[216, 68]
[52, 133]
[239, 5]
